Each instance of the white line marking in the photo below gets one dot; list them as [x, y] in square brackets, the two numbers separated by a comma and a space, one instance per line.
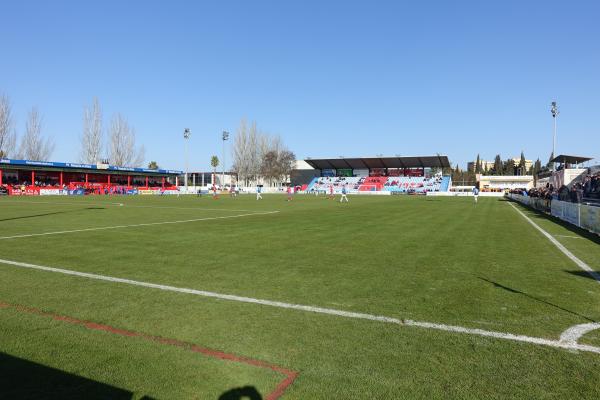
[572, 335]
[188, 208]
[111, 204]
[134, 225]
[506, 336]
[318, 310]
[570, 237]
[562, 248]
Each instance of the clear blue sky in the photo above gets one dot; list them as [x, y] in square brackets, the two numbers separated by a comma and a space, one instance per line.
[332, 78]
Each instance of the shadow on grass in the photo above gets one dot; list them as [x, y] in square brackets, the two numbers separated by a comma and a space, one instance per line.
[23, 379]
[50, 213]
[516, 291]
[583, 274]
[242, 393]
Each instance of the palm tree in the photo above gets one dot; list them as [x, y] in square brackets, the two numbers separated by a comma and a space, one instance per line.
[214, 162]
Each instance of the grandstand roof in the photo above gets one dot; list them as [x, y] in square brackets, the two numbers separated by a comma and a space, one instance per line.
[437, 161]
[570, 159]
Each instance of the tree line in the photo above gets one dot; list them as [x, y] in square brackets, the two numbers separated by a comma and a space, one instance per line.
[500, 167]
[508, 167]
[259, 157]
[33, 145]
[117, 145]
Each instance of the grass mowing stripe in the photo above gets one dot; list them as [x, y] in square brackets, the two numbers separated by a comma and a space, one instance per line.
[319, 310]
[290, 376]
[111, 204]
[562, 248]
[135, 225]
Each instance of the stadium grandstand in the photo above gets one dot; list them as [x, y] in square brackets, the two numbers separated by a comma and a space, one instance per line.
[26, 177]
[385, 175]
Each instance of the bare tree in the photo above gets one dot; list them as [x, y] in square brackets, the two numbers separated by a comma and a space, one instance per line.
[241, 153]
[33, 145]
[7, 133]
[255, 156]
[91, 138]
[269, 168]
[249, 150]
[259, 155]
[286, 163]
[122, 149]
[275, 144]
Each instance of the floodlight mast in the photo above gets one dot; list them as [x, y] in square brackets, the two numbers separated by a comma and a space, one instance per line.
[225, 138]
[186, 136]
[555, 112]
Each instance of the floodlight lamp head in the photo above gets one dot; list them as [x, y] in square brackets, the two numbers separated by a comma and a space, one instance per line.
[187, 133]
[554, 110]
[225, 135]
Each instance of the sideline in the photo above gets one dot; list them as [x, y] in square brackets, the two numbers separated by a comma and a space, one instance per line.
[562, 344]
[562, 248]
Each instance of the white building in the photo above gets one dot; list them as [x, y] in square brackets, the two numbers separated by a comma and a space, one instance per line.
[502, 183]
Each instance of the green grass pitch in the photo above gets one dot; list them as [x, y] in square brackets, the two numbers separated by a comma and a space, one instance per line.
[438, 260]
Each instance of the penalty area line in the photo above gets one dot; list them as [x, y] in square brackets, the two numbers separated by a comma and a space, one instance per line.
[290, 375]
[562, 344]
[134, 225]
[559, 245]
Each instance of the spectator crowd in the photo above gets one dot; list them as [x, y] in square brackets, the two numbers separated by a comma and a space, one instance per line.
[585, 190]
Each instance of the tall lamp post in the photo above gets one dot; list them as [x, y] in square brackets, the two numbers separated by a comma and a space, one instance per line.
[186, 135]
[555, 112]
[225, 138]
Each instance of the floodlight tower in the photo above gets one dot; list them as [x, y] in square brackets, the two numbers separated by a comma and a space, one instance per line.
[225, 138]
[186, 136]
[555, 112]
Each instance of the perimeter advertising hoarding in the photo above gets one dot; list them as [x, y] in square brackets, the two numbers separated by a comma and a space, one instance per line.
[590, 218]
[169, 191]
[148, 191]
[566, 211]
[50, 192]
[581, 215]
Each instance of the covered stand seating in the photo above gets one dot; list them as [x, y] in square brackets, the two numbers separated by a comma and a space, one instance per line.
[26, 177]
[376, 174]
